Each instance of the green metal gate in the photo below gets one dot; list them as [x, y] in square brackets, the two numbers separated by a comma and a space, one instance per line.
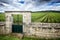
[17, 26]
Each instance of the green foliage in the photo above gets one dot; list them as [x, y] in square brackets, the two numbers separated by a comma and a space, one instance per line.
[2, 17]
[46, 17]
[6, 37]
[30, 38]
[17, 19]
[2, 37]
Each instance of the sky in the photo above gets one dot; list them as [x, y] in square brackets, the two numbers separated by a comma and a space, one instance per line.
[29, 5]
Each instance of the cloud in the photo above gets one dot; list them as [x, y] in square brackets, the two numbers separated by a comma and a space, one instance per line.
[29, 5]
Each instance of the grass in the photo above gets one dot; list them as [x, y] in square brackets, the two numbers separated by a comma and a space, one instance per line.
[30, 38]
[4, 37]
[46, 17]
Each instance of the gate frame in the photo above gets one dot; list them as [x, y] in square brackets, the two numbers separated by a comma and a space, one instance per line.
[9, 20]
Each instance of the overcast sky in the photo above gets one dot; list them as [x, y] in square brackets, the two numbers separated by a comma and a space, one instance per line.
[29, 5]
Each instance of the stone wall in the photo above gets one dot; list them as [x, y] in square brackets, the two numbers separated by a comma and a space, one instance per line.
[2, 27]
[43, 29]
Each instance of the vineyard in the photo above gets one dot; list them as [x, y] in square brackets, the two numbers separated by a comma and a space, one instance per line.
[46, 17]
[17, 19]
[2, 17]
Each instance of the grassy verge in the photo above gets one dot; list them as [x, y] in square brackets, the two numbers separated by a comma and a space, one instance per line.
[29, 38]
[4, 37]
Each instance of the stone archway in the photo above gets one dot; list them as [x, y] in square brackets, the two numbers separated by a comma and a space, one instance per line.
[9, 20]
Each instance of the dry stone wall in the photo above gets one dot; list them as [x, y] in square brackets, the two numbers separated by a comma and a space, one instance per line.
[2, 27]
[44, 29]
